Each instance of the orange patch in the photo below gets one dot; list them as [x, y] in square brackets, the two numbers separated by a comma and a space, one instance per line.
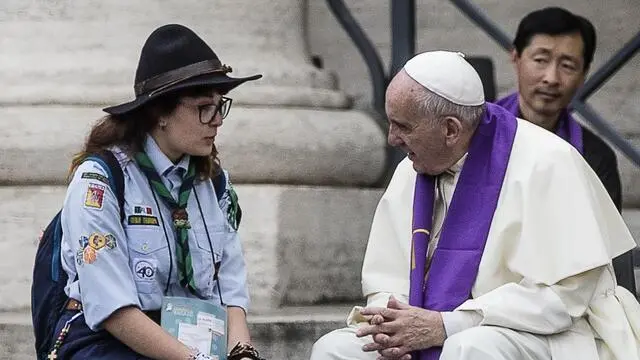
[89, 255]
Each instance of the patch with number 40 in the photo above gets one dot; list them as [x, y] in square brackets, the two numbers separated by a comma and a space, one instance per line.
[145, 269]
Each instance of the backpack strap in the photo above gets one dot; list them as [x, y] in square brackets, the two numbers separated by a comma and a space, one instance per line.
[111, 165]
[228, 202]
[220, 184]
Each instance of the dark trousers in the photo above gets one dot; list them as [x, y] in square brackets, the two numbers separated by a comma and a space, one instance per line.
[82, 343]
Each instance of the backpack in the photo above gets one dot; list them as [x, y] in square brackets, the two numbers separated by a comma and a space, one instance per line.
[48, 297]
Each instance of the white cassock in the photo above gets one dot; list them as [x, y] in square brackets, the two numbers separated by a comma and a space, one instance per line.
[545, 287]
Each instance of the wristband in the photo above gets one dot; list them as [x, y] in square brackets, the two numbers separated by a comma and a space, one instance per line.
[199, 356]
[242, 351]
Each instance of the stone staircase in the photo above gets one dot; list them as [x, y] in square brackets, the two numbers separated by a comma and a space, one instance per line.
[306, 163]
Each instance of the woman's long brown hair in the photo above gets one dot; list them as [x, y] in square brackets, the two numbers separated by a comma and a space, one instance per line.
[128, 131]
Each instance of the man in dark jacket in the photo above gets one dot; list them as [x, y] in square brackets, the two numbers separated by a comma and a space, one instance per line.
[552, 52]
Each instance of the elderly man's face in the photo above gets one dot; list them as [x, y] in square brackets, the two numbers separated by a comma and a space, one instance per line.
[423, 140]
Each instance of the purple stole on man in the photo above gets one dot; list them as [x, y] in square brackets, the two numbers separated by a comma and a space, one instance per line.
[456, 259]
[567, 128]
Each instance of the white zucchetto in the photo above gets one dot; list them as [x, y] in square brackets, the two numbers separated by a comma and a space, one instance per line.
[448, 74]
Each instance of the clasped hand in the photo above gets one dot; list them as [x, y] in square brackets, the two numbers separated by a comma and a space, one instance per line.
[399, 329]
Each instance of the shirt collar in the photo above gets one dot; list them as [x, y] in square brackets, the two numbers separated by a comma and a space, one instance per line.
[457, 167]
[160, 161]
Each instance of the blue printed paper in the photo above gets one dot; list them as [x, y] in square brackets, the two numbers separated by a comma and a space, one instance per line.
[197, 323]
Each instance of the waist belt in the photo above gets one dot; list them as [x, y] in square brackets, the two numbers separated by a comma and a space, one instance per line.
[76, 305]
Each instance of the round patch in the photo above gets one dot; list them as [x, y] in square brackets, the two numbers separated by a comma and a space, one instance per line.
[145, 270]
[97, 241]
[110, 241]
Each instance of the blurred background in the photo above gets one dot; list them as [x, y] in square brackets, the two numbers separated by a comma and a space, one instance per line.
[305, 146]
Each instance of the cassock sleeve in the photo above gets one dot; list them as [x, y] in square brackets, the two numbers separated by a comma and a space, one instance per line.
[527, 306]
[386, 263]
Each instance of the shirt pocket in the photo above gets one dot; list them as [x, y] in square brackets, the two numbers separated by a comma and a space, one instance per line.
[207, 255]
[148, 253]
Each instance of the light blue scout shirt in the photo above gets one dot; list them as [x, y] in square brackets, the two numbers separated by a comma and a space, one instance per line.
[130, 263]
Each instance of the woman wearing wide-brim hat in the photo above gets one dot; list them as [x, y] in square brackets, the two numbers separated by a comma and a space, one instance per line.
[178, 234]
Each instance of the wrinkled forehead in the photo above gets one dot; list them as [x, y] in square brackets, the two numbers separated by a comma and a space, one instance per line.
[402, 94]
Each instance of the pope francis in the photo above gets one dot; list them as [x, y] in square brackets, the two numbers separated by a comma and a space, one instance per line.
[493, 240]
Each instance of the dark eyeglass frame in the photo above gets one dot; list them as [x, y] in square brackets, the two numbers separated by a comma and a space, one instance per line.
[223, 105]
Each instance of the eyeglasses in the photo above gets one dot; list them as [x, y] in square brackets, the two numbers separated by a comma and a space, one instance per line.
[208, 112]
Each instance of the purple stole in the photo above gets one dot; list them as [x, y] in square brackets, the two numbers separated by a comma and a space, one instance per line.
[455, 262]
[567, 128]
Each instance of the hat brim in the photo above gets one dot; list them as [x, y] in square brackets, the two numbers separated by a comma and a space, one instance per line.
[221, 81]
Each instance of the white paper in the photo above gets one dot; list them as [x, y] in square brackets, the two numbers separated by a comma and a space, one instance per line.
[209, 321]
[195, 336]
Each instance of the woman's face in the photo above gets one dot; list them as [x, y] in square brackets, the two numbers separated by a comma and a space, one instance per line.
[192, 127]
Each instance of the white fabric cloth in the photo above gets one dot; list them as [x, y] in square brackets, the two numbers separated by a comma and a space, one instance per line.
[448, 74]
[495, 343]
[546, 269]
[477, 343]
[342, 344]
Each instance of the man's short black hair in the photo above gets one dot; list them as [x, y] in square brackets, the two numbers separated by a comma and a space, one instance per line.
[556, 21]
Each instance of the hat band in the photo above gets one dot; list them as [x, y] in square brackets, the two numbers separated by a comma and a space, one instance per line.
[169, 78]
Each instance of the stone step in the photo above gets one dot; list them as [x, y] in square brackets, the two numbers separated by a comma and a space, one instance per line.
[256, 145]
[303, 245]
[287, 333]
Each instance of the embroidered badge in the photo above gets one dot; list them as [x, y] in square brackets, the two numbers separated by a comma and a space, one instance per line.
[84, 241]
[110, 241]
[142, 220]
[97, 241]
[142, 210]
[144, 270]
[95, 176]
[79, 255]
[95, 196]
[89, 255]
[91, 245]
